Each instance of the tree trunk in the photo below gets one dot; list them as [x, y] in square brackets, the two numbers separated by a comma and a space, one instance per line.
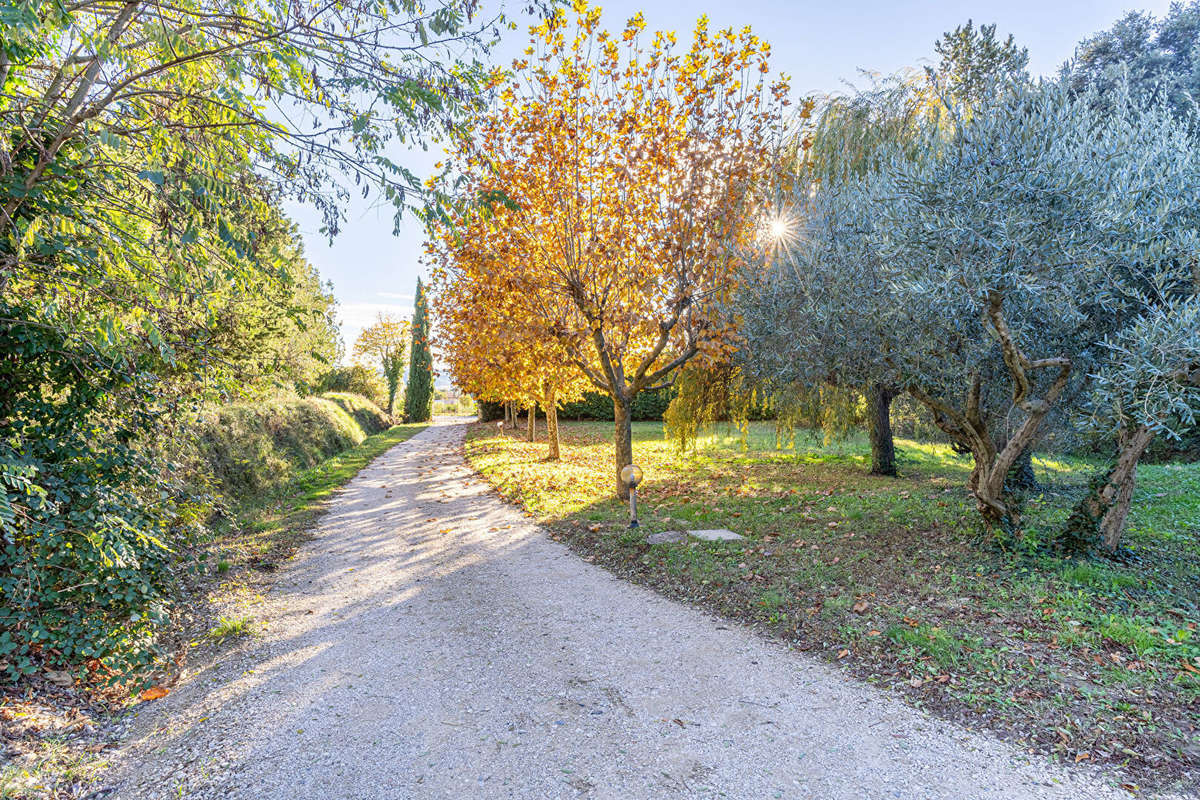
[1021, 475]
[623, 419]
[883, 448]
[552, 423]
[1108, 506]
[532, 422]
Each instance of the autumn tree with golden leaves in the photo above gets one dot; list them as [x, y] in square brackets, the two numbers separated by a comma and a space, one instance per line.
[620, 179]
[491, 340]
[383, 342]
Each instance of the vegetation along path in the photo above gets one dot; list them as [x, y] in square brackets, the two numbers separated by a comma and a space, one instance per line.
[432, 642]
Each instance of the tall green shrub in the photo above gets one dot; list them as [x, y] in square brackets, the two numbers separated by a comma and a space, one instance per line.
[418, 400]
[355, 379]
[94, 529]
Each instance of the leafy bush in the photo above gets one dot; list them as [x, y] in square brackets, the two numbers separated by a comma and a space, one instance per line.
[647, 406]
[355, 379]
[94, 530]
[489, 411]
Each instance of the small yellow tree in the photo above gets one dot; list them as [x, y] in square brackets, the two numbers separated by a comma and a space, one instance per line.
[383, 343]
[492, 340]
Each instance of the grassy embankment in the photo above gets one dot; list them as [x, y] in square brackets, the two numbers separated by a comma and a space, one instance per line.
[276, 464]
[894, 580]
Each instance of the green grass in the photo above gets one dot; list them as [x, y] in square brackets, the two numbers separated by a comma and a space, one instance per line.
[896, 579]
[231, 628]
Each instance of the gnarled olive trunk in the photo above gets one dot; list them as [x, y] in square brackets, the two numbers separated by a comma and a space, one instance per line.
[1107, 506]
[623, 423]
[1021, 474]
[883, 448]
[967, 424]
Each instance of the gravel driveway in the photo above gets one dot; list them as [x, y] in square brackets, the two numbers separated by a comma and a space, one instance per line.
[431, 642]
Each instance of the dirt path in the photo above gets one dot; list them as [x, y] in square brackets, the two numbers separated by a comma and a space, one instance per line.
[432, 643]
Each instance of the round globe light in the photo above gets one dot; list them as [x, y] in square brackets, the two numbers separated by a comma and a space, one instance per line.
[631, 475]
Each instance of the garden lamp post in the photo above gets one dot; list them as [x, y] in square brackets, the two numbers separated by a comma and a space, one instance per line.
[631, 475]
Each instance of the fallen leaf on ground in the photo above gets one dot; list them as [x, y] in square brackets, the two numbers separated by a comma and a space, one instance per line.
[1082, 757]
[860, 606]
[154, 693]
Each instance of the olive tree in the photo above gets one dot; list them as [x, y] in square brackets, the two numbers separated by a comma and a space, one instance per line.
[1036, 230]
[802, 336]
[1148, 387]
[986, 271]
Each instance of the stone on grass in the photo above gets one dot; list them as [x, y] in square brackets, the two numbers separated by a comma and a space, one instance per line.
[715, 535]
[666, 537]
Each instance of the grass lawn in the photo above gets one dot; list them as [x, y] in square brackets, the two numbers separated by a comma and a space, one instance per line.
[895, 580]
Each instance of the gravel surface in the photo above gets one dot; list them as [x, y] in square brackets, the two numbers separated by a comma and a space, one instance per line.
[431, 642]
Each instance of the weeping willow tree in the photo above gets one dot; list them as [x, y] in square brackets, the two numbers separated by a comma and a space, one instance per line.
[707, 395]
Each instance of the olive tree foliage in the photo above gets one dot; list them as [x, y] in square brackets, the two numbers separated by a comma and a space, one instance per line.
[1043, 224]
[986, 270]
[1158, 59]
[797, 361]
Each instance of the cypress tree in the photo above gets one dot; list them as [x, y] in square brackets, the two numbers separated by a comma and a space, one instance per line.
[418, 400]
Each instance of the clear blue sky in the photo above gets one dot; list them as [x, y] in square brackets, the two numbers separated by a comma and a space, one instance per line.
[820, 45]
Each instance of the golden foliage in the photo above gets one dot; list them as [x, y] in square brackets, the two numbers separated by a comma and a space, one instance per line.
[608, 202]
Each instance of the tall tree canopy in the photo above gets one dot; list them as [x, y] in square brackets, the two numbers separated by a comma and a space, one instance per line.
[991, 260]
[418, 397]
[1157, 59]
[792, 312]
[145, 266]
[496, 346]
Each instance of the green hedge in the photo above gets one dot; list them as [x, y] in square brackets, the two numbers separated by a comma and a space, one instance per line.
[252, 448]
[649, 406]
